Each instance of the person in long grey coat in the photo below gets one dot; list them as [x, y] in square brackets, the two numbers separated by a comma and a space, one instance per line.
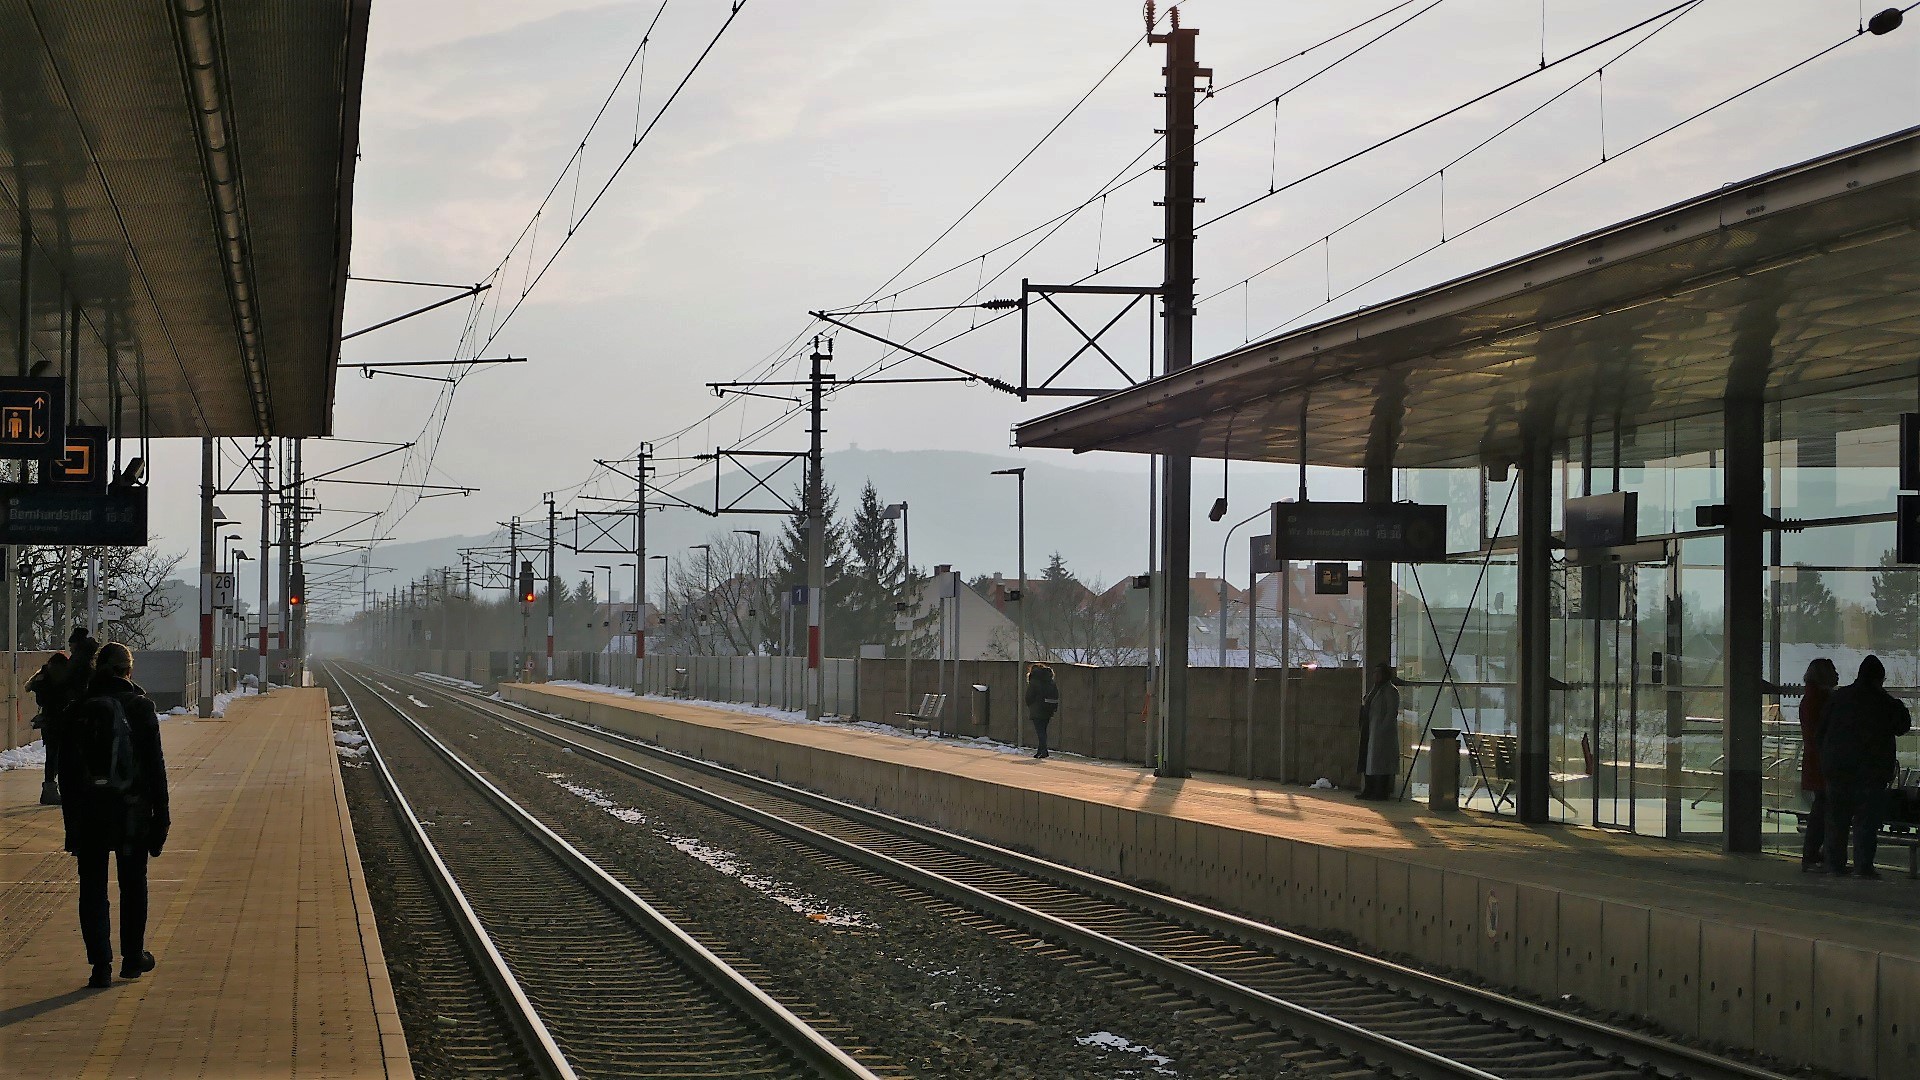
[1380, 735]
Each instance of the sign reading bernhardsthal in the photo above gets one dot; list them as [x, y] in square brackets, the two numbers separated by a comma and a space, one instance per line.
[1359, 532]
[33, 514]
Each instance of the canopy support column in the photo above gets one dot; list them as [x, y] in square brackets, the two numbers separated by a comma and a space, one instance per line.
[1744, 581]
[1535, 645]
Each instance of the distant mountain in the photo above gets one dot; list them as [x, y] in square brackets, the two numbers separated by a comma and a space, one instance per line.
[1093, 510]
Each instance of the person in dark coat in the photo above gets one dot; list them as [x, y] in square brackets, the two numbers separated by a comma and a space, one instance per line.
[101, 820]
[1380, 735]
[1043, 700]
[49, 689]
[1858, 762]
[1820, 680]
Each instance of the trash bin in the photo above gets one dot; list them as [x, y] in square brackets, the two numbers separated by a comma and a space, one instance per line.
[982, 699]
[1443, 770]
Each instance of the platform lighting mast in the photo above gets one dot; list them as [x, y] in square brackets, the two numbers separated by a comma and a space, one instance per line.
[1176, 488]
[266, 552]
[551, 582]
[816, 532]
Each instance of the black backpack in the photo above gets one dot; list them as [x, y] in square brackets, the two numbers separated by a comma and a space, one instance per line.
[105, 741]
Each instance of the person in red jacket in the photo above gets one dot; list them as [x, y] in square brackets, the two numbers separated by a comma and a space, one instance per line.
[1820, 680]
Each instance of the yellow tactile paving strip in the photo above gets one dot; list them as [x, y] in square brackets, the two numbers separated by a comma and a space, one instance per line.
[1762, 892]
[269, 959]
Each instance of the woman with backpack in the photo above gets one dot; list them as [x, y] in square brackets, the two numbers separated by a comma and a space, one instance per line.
[113, 782]
[1043, 700]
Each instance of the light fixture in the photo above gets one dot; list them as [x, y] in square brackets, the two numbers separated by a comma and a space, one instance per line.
[1886, 22]
[1219, 509]
[40, 366]
[132, 476]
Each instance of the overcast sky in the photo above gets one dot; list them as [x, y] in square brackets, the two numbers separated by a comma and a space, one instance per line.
[824, 143]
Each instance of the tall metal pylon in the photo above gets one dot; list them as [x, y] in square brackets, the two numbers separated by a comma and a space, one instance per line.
[1176, 488]
[816, 531]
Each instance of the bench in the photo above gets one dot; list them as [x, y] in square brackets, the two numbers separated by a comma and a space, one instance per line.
[926, 720]
[1496, 764]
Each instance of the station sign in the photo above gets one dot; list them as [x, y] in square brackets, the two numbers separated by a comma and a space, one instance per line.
[1360, 532]
[1331, 578]
[1603, 521]
[33, 418]
[222, 591]
[39, 514]
[84, 466]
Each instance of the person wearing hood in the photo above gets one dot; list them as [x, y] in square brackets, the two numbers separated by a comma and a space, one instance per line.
[1858, 761]
[1043, 700]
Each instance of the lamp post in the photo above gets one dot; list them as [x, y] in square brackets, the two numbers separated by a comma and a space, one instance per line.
[666, 583]
[240, 626]
[1253, 636]
[759, 589]
[707, 599]
[1020, 475]
[222, 628]
[898, 512]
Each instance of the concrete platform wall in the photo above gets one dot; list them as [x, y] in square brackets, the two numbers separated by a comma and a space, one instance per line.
[1787, 994]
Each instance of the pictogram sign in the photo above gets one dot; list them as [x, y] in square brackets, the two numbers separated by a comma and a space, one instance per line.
[84, 466]
[33, 418]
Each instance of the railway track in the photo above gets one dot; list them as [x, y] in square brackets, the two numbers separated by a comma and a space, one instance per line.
[592, 980]
[1375, 1013]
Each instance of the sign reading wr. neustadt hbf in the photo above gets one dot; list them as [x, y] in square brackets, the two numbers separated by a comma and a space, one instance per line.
[1360, 532]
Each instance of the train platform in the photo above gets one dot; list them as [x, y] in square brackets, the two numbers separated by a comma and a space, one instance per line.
[1741, 951]
[269, 959]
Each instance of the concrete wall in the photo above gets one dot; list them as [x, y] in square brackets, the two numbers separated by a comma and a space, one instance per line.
[1783, 992]
[1103, 713]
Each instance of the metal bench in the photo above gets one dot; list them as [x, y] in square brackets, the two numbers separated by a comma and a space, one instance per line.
[926, 721]
[1496, 764]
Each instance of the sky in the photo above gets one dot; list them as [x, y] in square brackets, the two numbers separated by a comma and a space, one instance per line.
[821, 146]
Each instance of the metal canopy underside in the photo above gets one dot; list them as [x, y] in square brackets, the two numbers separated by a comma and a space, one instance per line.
[1803, 281]
[185, 167]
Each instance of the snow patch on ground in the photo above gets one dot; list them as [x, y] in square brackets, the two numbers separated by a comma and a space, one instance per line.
[1107, 1040]
[418, 704]
[31, 756]
[447, 680]
[348, 742]
[726, 862]
[221, 701]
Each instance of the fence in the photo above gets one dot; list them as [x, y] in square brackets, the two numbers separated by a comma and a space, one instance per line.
[775, 681]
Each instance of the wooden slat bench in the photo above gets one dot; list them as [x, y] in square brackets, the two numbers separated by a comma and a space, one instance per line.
[926, 720]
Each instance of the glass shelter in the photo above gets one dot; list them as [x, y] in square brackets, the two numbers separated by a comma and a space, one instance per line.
[1727, 375]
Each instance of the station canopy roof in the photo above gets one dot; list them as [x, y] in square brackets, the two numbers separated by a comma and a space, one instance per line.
[183, 171]
[1803, 281]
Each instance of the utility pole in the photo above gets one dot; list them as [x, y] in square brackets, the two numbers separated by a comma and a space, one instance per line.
[513, 578]
[1176, 298]
[640, 564]
[551, 582]
[298, 630]
[206, 581]
[266, 553]
[816, 534]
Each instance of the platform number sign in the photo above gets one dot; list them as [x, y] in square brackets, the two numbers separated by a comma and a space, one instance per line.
[629, 621]
[1330, 578]
[222, 591]
[33, 418]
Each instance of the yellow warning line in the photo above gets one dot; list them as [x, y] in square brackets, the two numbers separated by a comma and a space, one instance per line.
[113, 1037]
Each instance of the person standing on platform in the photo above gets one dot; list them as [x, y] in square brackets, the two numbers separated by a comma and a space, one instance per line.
[49, 689]
[113, 780]
[1380, 735]
[1858, 762]
[1043, 700]
[1820, 680]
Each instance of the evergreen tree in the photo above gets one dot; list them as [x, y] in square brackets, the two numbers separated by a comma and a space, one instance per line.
[790, 568]
[1055, 604]
[1896, 602]
[1811, 604]
[874, 579]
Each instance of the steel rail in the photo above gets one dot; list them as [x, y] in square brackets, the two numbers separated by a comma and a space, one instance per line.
[1600, 1039]
[808, 1046]
[526, 1022]
[1376, 1049]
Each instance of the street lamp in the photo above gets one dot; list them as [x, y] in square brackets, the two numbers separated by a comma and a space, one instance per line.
[1020, 475]
[707, 599]
[898, 512]
[239, 621]
[759, 589]
[666, 583]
